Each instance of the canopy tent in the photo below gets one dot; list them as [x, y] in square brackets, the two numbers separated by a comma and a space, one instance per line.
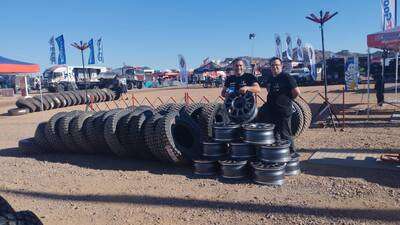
[10, 66]
[387, 41]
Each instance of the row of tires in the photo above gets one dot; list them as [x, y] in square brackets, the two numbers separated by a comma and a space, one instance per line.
[9, 216]
[64, 99]
[170, 133]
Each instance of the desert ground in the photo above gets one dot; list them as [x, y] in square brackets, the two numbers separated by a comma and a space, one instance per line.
[71, 189]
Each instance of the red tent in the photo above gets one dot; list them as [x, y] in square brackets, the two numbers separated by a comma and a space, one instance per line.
[8, 66]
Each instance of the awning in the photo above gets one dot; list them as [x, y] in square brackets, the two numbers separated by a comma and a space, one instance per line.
[10, 66]
[388, 40]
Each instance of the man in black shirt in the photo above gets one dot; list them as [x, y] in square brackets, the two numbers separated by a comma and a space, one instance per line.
[281, 89]
[240, 82]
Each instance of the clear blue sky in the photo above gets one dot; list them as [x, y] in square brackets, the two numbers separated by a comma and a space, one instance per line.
[153, 32]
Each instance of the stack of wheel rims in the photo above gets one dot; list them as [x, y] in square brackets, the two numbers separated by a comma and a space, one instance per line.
[247, 151]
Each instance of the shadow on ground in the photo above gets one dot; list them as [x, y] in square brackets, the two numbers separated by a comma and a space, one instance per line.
[384, 215]
[383, 177]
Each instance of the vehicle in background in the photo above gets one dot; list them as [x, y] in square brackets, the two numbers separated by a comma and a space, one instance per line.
[64, 78]
[135, 76]
[302, 75]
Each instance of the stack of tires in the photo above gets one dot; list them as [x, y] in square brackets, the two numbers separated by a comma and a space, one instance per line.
[9, 216]
[60, 100]
[170, 133]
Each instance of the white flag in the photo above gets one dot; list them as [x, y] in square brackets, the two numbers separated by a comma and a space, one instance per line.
[289, 52]
[311, 60]
[183, 69]
[300, 54]
[278, 46]
[388, 14]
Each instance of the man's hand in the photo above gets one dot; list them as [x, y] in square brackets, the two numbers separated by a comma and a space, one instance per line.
[243, 90]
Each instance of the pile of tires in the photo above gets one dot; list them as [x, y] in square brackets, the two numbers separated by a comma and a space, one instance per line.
[60, 100]
[170, 133]
[9, 216]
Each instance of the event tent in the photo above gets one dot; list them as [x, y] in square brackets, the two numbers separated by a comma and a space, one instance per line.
[10, 66]
[388, 40]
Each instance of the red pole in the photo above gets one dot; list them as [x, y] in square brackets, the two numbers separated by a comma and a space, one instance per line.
[133, 100]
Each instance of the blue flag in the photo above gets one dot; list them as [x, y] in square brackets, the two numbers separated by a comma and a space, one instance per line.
[52, 51]
[100, 57]
[61, 50]
[91, 55]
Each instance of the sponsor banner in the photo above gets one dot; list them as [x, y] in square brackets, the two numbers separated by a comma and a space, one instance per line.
[278, 46]
[52, 50]
[61, 50]
[91, 53]
[351, 73]
[183, 69]
[100, 56]
[311, 61]
[388, 14]
[289, 52]
[300, 54]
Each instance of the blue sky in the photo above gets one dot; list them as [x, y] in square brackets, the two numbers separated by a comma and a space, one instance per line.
[153, 33]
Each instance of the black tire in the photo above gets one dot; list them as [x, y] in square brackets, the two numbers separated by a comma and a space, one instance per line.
[64, 129]
[150, 138]
[27, 218]
[89, 128]
[18, 111]
[297, 122]
[63, 101]
[109, 96]
[110, 133]
[194, 111]
[127, 137]
[54, 98]
[78, 97]
[211, 113]
[305, 108]
[99, 125]
[37, 104]
[85, 98]
[5, 207]
[49, 100]
[78, 132]
[46, 104]
[25, 103]
[67, 98]
[96, 95]
[73, 98]
[135, 140]
[52, 134]
[102, 94]
[41, 140]
[179, 137]
[165, 108]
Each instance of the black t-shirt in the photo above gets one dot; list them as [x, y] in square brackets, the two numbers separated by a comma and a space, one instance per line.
[279, 91]
[237, 82]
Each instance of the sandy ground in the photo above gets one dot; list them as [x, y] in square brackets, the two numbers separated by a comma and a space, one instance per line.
[82, 189]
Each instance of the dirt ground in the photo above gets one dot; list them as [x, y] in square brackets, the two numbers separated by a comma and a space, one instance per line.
[83, 189]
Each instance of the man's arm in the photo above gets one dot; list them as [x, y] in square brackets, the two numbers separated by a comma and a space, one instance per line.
[295, 92]
[255, 88]
[223, 92]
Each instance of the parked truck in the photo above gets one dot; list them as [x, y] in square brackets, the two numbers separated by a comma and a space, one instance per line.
[64, 78]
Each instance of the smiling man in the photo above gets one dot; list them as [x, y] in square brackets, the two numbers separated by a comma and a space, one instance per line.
[241, 81]
[281, 89]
